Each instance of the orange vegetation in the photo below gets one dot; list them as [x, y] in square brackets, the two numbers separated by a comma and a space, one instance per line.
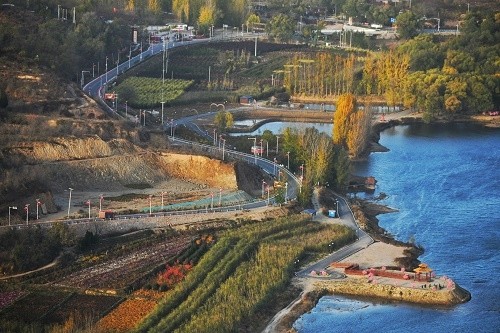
[130, 312]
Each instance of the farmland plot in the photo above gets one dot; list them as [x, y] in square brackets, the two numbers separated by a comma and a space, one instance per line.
[150, 92]
[91, 306]
[34, 306]
[118, 273]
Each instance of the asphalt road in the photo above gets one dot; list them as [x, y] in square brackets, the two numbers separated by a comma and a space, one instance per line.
[346, 217]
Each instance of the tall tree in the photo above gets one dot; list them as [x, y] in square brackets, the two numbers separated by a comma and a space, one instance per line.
[346, 105]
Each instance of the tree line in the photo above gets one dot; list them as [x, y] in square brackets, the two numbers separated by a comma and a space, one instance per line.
[449, 78]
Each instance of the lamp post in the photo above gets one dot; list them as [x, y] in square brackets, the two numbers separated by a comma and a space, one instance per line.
[101, 197]
[69, 202]
[212, 204]
[150, 204]
[162, 194]
[288, 160]
[27, 209]
[83, 79]
[263, 187]
[88, 204]
[223, 146]
[302, 175]
[268, 189]
[286, 192]
[274, 166]
[106, 71]
[277, 144]
[254, 148]
[220, 197]
[126, 110]
[215, 137]
[38, 203]
[13, 207]
[261, 148]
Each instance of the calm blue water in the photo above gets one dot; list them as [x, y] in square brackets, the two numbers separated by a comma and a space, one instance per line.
[278, 127]
[445, 182]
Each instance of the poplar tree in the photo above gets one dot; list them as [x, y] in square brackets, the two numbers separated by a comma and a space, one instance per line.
[346, 105]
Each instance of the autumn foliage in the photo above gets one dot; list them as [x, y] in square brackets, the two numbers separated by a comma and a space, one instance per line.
[173, 274]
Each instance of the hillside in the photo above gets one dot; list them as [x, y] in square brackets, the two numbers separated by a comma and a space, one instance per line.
[52, 137]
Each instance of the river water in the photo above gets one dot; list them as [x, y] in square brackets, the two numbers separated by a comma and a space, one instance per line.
[445, 182]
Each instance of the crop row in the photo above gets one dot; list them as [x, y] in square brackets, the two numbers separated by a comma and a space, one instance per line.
[246, 268]
[120, 272]
[9, 297]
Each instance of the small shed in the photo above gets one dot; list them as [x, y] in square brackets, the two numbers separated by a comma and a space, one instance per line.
[332, 213]
[247, 100]
[106, 214]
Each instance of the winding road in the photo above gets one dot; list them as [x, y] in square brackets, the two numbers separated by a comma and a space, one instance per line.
[95, 89]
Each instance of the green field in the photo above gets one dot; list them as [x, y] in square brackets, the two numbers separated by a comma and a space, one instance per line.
[147, 92]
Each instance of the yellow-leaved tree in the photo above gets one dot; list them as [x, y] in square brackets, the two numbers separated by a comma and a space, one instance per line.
[359, 130]
[346, 105]
[351, 126]
[207, 16]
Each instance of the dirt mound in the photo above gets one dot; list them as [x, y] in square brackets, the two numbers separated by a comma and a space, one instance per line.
[201, 169]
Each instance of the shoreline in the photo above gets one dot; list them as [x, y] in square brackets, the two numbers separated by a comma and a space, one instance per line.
[314, 289]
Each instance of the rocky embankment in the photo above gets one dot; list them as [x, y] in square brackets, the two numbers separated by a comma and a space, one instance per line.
[447, 296]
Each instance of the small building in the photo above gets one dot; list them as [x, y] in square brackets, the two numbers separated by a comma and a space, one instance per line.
[106, 214]
[332, 213]
[246, 100]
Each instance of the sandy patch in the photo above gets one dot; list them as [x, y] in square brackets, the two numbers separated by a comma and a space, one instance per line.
[376, 255]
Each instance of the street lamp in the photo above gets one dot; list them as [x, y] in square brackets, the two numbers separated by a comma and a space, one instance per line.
[126, 110]
[82, 78]
[286, 192]
[277, 143]
[302, 169]
[69, 202]
[261, 148]
[212, 204]
[254, 148]
[88, 203]
[263, 187]
[268, 189]
[101, 197]
[150, 204]
[13, 207]
[27, 209]
[162, 194]
[38, 203]
[220, 196]
[288, 160]
[223, 146]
